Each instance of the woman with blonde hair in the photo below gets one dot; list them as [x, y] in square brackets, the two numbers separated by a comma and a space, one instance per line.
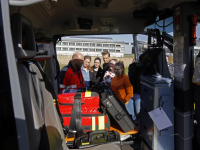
[86, 70]
[122, 87]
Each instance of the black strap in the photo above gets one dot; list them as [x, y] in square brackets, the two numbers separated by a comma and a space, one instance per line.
[79, 127]
[76, 122]
[57, 70]
[44, 137]
[57, 67]
[50, 88]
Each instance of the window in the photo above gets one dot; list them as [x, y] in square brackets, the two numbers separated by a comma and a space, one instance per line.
[58, 43]
[117, 50]
[105, 50]
[112, 45]
[98, 50]
[78, 49]
[99, 44]
[92, 44]
[166, 22]
[85, 49]
[111, 50]
[71, 43]
[57, 48]
[105, 45]
[86, 44]
[64, 43]
[92, 49]
[118, 45]
[79, 44]
[71, 49]
[64, 48]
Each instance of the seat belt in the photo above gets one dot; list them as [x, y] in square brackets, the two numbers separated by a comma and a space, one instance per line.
[58, 71]
[76, 122]
[57, 67]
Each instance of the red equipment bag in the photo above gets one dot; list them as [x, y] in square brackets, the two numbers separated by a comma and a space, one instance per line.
[88, 100]
[91, 118]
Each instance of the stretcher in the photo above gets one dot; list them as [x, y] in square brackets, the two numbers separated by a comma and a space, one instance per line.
[115, 128]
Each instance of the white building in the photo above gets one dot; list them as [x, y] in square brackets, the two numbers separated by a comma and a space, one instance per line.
[92, 46]
[128, 48]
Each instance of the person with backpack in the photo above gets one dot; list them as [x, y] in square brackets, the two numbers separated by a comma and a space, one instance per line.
[134, 76]
[144, 66]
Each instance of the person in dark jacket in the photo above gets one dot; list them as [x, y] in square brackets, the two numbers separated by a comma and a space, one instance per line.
[87, 72]
[97, 70]
[106, 59]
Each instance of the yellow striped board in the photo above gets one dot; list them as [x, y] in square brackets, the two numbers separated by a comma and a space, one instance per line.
[93, 124]
[85, 143]
[101, 122]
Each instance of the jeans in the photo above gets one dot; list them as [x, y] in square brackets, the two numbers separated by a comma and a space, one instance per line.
[133, 107]
[87, 83]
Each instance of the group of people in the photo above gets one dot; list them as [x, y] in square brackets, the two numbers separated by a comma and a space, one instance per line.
[79, 73]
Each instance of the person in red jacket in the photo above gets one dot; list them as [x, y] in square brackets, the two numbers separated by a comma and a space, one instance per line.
[70, 76]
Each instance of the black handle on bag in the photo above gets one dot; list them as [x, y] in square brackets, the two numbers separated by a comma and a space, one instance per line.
[104, 132]
[57, 67]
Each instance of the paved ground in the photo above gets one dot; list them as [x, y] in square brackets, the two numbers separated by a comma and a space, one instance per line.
[135, 146]
[128, 147]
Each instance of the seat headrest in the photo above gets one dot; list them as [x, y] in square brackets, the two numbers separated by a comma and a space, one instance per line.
[23, 37]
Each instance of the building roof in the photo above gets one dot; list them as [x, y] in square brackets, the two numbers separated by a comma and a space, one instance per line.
[103, 38]
[95, 39]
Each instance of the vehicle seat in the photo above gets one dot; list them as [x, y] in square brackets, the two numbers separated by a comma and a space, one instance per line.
[41, 116]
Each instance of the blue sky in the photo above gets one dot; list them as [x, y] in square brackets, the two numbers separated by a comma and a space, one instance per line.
[198, 31]
[129, 38]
